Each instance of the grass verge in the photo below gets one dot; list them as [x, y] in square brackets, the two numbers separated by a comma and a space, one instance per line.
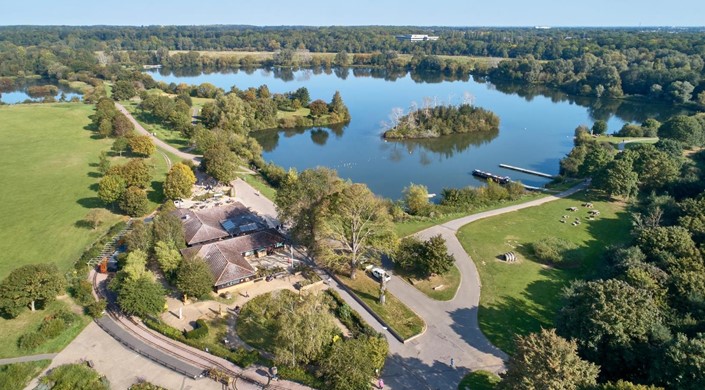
[17, 376]
[396, 314]
[479, 380]
[417, 224]
[450, 282]
[520, 298]
[260, 185]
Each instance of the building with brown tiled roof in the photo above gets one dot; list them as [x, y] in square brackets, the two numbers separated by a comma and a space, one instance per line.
[216, 223]
[227, 259]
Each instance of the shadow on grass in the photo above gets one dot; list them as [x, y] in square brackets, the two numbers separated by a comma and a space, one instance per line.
[90, 203]
[95, 175]
[83, 224]
[156, 195]
[94, 187]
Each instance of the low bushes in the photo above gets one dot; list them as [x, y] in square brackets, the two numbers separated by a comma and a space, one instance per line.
[239, 356]
[199, 332]
[350, 318]
[51, 327]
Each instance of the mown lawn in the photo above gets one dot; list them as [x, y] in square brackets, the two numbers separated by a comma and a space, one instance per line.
[520, 298]
[287, 114]
[450, 282]
[397, 315]
[47, 165]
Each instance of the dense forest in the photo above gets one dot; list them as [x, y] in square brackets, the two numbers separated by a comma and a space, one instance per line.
[435, 121]
[665, 64]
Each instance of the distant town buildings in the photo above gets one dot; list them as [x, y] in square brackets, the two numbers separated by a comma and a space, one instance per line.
[416, 38]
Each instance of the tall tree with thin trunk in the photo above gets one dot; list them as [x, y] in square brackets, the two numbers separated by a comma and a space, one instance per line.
[356, 223]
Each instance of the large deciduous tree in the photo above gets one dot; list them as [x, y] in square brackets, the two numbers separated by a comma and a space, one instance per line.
[220, 162]
[142, 296]
[179, 182]
[355, 224]
[111, 188]
[351, 364]
[194, 278]
[304, 328]
[26, 285]
[416, 199]
[302, 199]
[134, 202]
[682, 128]
[141, 145]
[167, 256]
[613, 323]
[547, 361]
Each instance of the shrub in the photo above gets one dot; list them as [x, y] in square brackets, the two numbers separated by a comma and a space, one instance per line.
[82, 292]
[31, 341]
[199, 332]
[95, 309]
[553, 250]
[52, 327]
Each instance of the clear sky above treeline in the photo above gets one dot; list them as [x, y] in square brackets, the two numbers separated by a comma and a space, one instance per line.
[357, 12]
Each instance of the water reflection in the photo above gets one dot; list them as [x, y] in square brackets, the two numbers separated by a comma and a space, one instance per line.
[441, 148]
[269, 139]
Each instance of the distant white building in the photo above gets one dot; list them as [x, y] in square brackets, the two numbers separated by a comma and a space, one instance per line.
[416, 38]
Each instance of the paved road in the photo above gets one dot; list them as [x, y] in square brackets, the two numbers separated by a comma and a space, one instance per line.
[30, 358]
[159, 143]
[452, 326]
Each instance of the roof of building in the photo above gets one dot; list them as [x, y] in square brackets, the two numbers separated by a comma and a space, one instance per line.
[226, 258]
[217, 222]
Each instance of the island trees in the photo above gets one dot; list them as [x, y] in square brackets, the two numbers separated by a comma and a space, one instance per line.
[434, 121]
[27, 285]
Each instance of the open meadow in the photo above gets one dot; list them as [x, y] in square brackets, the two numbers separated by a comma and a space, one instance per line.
[48, 166]
[520, 298]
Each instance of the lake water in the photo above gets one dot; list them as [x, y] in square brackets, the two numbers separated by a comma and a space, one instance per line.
[536, 128]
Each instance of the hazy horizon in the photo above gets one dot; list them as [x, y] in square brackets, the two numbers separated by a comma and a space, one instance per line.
[413, 13]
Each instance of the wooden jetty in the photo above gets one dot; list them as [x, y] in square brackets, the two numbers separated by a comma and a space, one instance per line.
[529, 171]
[490, 176]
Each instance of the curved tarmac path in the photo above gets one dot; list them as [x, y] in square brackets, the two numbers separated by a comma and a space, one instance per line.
[452, 329]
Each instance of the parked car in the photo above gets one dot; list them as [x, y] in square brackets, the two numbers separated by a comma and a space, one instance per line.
[380, 274]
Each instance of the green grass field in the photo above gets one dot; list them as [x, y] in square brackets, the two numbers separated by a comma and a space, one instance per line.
[47, 160]
[259, 184]
[450, 282]
[521, 298]
[397, 315]
[288, 114]
[151, 124]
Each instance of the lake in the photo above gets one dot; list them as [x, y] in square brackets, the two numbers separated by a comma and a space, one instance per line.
[17, 93]
[536, 128]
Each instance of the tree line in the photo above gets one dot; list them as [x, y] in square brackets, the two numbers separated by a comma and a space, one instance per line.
[641, 319]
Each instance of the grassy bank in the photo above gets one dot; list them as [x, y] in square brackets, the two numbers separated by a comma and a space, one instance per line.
[417, 224]
[397, 315]
[438, 287]
[48, 163]
[522, 297]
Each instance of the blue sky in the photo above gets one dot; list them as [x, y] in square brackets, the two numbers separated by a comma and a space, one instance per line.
[358, 12]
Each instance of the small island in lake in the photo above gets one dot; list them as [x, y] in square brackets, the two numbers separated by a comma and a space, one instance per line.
[432, 122]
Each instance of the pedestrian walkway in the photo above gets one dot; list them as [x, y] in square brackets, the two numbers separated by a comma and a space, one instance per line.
[25, 359]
